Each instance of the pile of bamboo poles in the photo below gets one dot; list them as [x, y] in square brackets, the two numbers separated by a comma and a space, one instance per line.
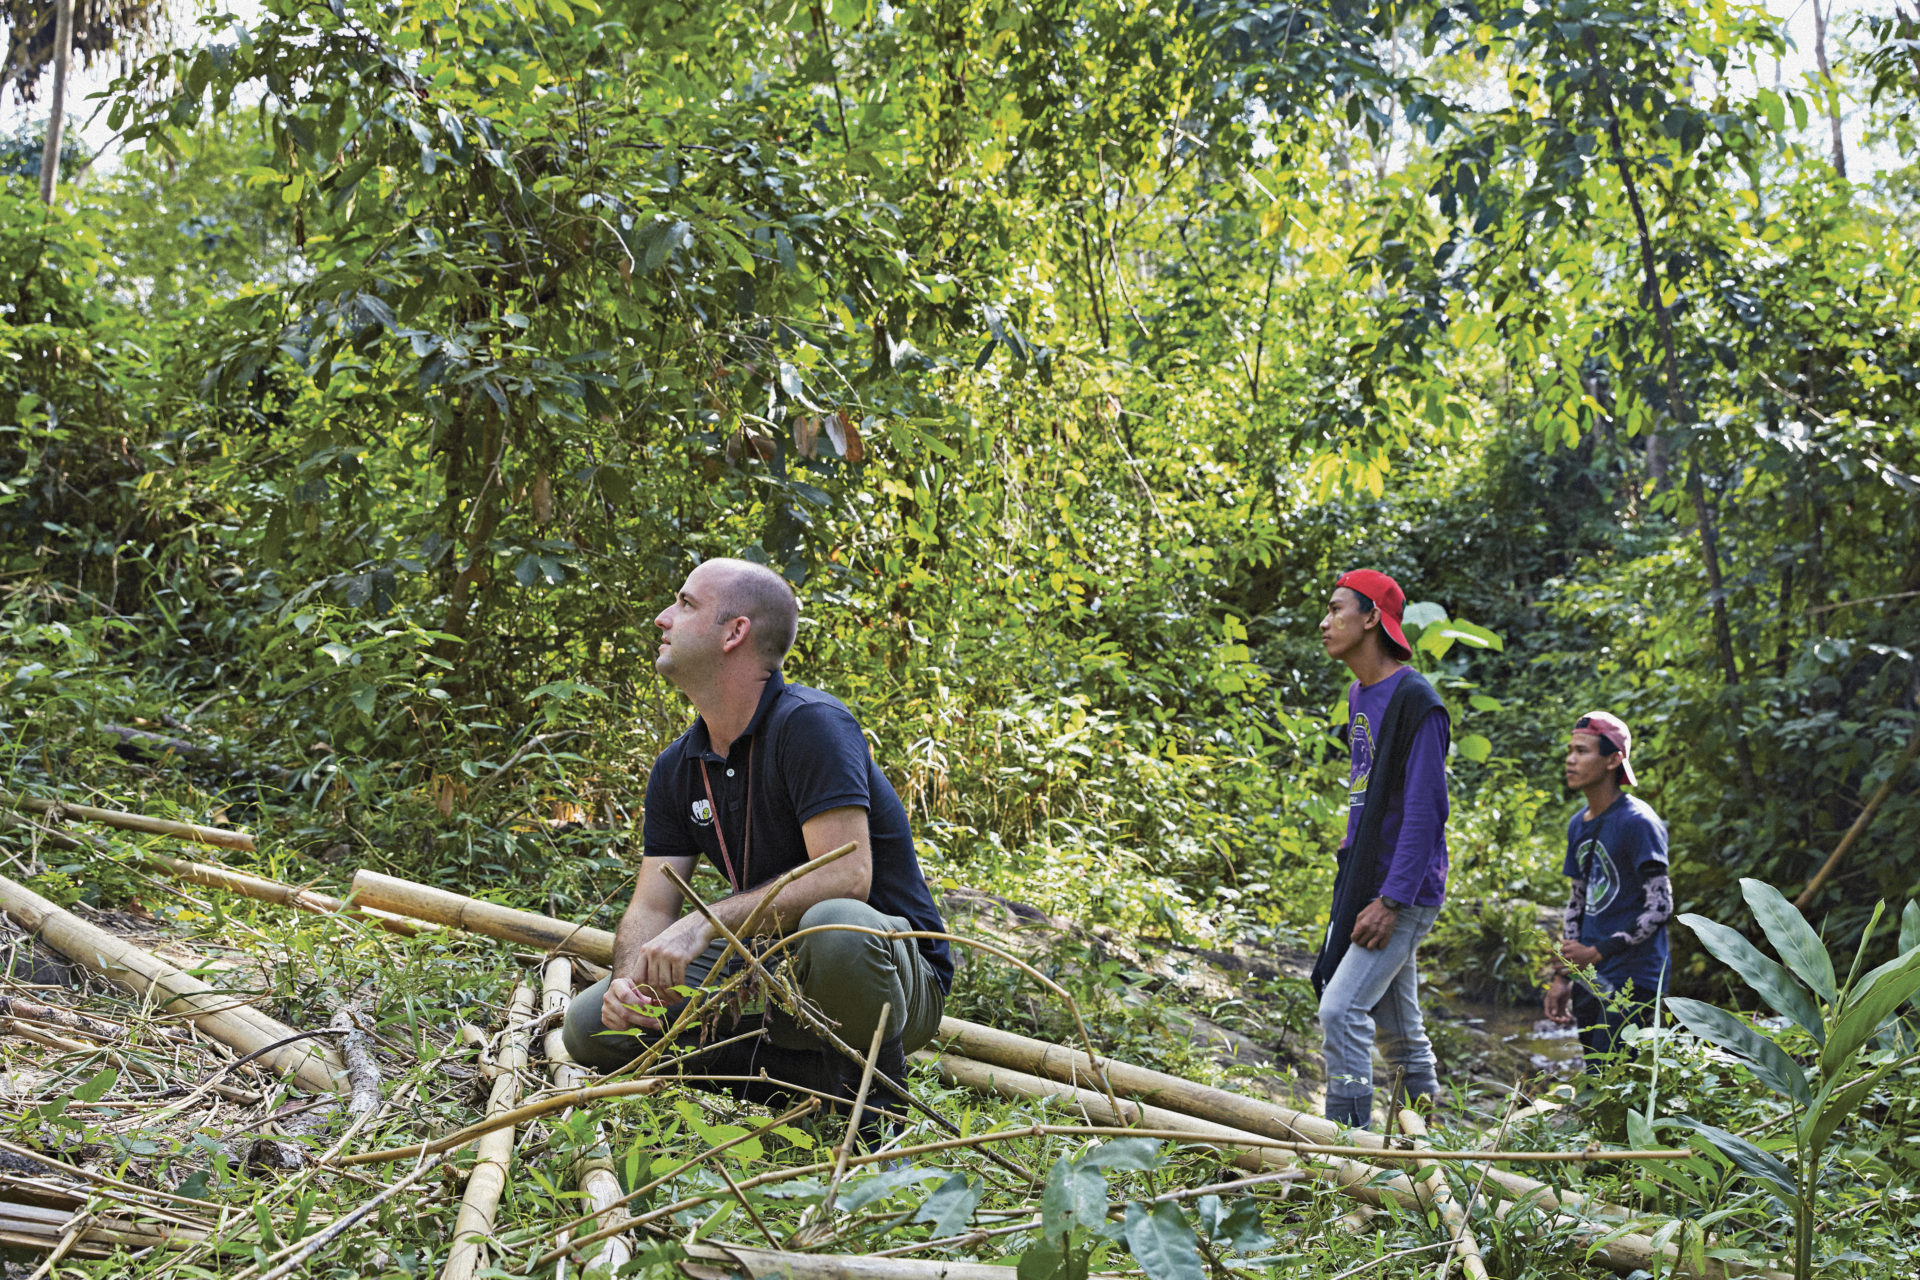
[1102, 1096]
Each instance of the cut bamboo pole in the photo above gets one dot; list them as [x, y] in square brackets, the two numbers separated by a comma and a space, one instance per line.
[719, 1262]
[1436, 1195]
[494, 1154]
[1236, 1110]
[239, 1026]
[1366, 1182]
[219, 837]
[286, 895]
[529, 929]
[593, 1171]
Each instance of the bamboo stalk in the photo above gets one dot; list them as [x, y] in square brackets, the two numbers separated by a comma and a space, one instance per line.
[1366, 1182]
[719, 1262]
[529, 929]
[219, 837]
[238, 1026]
[1254, 1115]
[593, 1171]
[286, 895]
[1436, 1195]
[488, 1179]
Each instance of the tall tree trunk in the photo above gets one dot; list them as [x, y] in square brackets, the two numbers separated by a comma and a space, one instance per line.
[56, 119]
[1828, 88]
[1678, 408]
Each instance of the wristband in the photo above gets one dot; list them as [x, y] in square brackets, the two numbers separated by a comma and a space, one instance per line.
[1390, 904]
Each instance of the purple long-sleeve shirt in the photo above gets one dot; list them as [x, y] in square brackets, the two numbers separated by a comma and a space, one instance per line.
[1413, 839]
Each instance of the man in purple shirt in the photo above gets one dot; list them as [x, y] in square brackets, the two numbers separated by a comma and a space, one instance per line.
[1393, 862]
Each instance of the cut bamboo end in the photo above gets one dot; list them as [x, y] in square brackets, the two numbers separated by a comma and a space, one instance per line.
[494, 1152]
[237, 1025]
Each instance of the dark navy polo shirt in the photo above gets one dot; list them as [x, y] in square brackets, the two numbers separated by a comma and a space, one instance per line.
[808, 756]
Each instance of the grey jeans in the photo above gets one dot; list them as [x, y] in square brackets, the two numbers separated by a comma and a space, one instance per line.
[1379, 991]
[845, 975]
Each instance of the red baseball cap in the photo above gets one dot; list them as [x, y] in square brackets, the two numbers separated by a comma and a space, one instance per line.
[1387, 597]
[1613, 734]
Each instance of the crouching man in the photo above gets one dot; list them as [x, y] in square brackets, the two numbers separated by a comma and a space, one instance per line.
[769, 776]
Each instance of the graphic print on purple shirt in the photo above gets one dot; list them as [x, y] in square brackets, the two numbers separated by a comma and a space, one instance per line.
[1413, 842]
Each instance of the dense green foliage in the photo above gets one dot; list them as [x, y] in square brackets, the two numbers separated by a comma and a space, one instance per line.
[1061, 353]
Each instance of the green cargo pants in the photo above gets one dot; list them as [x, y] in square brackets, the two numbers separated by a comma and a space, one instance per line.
[845, 975]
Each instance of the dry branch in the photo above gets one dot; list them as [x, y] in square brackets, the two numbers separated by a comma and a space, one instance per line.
[239, 1026]
[219, 837]
[495, 1153]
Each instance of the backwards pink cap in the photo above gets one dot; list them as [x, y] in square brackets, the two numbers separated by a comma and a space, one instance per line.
[1614, 735]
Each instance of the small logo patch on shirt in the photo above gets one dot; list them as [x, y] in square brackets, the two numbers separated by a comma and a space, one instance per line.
[703, 813]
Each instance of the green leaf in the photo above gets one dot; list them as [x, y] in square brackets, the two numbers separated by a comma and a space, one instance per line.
[1475, 747]
[1792, 937]
[1423, 613]
[1481, 702]
[1768, 1060]
[950, 1205]
[1238, 1227]
[1910, 927]
[1041, 1261]
[1468, 633]
[1162, 1243]
[1137, 1154]
[1748, 1158]
[362, 696]
[1868, 1009]
[96, 1087]
[1075, 1194]
[1775, 985]
[337, 651]
[1827, 1113]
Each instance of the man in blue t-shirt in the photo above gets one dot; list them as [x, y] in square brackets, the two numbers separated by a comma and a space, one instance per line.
[1617, 912]
[769, 776]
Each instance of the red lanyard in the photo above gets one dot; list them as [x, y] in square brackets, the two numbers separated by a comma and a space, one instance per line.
[746, 837]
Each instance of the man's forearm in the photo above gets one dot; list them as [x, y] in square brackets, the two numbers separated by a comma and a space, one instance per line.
[848, 877]
[640, 925]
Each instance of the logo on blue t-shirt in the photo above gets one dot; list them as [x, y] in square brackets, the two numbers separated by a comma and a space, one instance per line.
[1362, 745]
[703, 813]
[1603, 878]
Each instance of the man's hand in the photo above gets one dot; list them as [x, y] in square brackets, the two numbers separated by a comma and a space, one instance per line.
[659, 965]
[1375, 925]
[1579, 954]
[661, 962]
[1560, 1001]
[617, 1011]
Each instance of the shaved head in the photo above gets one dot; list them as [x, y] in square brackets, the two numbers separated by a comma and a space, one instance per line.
[743, 589]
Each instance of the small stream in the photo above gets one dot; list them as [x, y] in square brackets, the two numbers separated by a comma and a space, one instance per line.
[1521, 1032]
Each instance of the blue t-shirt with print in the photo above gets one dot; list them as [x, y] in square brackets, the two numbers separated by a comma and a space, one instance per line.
[1616, 854]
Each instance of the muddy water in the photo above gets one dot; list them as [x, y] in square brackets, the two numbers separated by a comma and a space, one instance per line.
[1524, 1037]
